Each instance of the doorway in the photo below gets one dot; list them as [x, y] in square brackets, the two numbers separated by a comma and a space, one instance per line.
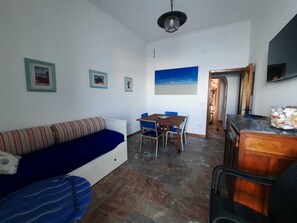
[218, 102]
[218, 95]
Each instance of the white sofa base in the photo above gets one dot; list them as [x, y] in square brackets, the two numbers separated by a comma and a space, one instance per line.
[105, 164]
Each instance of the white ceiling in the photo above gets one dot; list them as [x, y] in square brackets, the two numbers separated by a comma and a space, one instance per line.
[140, 16]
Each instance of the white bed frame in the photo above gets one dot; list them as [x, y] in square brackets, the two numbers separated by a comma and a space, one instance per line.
[105, 164]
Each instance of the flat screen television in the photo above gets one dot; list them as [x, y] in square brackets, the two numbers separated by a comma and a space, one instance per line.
[282, 53]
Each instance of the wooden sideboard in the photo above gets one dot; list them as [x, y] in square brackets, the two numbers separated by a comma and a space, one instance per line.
[252, 145]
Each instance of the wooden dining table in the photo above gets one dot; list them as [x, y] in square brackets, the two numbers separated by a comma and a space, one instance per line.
[166, 122]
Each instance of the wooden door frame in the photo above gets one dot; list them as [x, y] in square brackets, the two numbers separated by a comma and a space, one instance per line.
[241, 72]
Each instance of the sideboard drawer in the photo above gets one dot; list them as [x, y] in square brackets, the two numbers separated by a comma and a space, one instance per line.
[112, 160]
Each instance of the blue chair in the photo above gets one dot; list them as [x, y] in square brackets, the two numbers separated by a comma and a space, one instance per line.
[143, 115]
[148, 129]
[171, 113]
[182, 133]
[145, 125]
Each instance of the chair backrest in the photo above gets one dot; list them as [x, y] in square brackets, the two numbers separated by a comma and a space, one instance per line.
[282, 205]
[147, 125]
[144, 115]
[171, 113]
[183, 129]
[144, 125]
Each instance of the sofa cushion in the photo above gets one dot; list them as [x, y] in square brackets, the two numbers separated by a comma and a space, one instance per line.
[22, 141]
[59, 159]
[66, 131]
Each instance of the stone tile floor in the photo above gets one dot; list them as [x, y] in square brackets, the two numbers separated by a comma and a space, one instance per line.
[172, 188]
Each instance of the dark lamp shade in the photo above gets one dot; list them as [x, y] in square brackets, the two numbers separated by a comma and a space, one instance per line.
[171, 21]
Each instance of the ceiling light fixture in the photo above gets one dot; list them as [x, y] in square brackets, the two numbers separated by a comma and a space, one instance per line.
[171, 21]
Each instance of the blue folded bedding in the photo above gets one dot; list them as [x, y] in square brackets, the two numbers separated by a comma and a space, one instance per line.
[53, 200]
[59, 159]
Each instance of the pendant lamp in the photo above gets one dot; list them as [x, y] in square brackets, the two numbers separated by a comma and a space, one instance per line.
[171, 21]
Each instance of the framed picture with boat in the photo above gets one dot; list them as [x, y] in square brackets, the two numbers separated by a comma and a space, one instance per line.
[40, 75]
[98, 79]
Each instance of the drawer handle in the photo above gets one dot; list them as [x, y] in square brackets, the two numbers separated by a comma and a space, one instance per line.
[115, 159]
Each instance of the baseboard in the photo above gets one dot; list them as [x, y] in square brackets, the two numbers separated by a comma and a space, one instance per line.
[195, 135]
[135, 133]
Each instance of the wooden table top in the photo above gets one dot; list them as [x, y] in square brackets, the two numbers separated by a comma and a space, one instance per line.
[172, 120]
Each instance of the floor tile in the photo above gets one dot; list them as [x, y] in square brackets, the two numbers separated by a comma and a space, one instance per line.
[171, 188]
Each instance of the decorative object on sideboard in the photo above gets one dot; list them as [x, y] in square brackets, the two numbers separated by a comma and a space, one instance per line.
[284, 117]
[171, 21]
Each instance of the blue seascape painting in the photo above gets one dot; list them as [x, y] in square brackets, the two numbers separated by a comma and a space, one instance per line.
[178, 81]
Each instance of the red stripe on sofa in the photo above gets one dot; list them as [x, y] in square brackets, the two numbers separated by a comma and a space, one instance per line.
[15, 142]
[74, 129]
[23, 141]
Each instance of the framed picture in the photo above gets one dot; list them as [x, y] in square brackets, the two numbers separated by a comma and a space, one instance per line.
[177, 81]
[98, 79]
[128, 81]
[40, 75]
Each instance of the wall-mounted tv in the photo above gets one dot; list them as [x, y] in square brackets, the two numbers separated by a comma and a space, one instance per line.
[282, 54]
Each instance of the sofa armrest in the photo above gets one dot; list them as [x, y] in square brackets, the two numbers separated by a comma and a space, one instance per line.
[117, 125]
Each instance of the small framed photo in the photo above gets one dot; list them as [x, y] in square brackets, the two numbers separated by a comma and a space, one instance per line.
[98, 79]
[40, 75]
[128, 81]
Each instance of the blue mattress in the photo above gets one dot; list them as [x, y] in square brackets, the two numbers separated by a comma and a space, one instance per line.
[54, 200]
[59, 159]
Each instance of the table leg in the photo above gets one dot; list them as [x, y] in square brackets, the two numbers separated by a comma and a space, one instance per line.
[178, 140]
[164, 133]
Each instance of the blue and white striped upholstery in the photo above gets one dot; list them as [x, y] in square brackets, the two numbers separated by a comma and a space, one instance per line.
[54, 200]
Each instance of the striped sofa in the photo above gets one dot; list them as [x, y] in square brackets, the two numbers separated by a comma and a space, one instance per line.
[90, 148]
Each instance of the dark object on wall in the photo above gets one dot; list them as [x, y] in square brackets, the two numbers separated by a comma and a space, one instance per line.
[282, 54]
